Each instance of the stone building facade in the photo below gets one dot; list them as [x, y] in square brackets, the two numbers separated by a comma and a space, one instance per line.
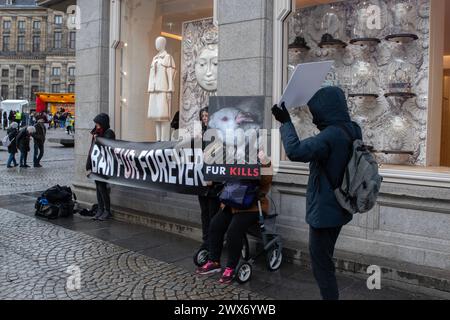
[37, 51]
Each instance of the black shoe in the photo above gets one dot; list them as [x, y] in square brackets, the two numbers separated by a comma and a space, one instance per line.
[9, 167]
[16, 165]
[37, 166]
[105, 216]
[98, 215]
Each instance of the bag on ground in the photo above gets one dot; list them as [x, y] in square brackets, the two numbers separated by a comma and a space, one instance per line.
[58, 201]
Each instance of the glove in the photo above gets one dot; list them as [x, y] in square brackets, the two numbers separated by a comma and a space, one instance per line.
[281, 114]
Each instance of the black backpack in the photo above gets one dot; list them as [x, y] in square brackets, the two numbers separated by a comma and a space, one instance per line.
[56, 202]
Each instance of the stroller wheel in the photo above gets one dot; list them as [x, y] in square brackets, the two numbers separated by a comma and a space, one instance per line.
[243, 272]
[201, 257]
[245, 253]
[274, 258]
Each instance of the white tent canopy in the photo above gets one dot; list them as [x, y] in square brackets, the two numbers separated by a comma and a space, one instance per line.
[11, 105]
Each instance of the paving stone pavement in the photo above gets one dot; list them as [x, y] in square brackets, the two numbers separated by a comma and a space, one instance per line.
[119, 260]
[57, 168]
[36, 256]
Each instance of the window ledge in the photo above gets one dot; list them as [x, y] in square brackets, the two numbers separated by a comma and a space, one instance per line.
[421, 176]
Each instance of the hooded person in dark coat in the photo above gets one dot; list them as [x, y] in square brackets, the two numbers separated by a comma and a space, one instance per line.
[12, 133]
[209, 201]
[102, 129]
[328, 154]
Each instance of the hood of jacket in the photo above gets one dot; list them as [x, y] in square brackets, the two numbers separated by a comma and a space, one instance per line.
[329, 107]
[103, 120]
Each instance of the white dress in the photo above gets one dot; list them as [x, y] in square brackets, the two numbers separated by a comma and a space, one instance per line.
[161, 87]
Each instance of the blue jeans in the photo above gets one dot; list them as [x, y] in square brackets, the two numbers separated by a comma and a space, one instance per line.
[38, 153]
[11, 159]
[23, 158]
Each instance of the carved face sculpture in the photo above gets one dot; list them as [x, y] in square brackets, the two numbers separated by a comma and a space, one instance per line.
[206, 68]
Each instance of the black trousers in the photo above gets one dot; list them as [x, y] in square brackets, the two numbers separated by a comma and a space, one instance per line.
[209, 206]
[321, 249]
[103, 199]
[235, 225]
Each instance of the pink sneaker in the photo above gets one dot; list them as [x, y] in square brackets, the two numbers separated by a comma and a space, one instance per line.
[227, 276]
[208, 268]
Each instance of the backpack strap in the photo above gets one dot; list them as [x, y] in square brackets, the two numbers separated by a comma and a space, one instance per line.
[349, 135]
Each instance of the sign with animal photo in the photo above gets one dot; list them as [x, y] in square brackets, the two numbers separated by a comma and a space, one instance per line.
[234, 139]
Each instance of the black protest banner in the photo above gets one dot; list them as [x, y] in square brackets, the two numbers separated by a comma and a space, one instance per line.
[169, 166]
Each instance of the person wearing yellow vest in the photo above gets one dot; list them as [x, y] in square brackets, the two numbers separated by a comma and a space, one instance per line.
[18, 117]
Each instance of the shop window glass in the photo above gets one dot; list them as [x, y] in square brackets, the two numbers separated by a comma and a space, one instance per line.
[380, 63]
[157, 78]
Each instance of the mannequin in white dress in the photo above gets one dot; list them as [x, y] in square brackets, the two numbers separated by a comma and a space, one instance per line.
[161, 88]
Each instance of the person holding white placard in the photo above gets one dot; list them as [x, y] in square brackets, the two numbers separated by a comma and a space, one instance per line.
[328, 154]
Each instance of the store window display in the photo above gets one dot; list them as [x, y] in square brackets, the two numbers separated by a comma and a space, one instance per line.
[404, 16]
[161, 88]
[370, 20]
[155, 75]
[385, 79]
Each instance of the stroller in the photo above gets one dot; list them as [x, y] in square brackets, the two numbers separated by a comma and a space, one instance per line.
[271, 247]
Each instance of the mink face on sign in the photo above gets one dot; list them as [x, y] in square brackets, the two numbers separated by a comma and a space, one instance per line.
[229, 120]
[232, 119]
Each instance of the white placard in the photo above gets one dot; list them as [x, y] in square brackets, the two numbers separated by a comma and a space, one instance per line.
[306, 80]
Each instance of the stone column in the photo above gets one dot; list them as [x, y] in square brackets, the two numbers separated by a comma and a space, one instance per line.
[245, 50]
[92, 54]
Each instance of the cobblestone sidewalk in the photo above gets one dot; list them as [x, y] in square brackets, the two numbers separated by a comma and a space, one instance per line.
[36, 256]
[21, 180]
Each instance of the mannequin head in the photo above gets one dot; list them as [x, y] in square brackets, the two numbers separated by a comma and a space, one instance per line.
[160, 44]
[206, 67]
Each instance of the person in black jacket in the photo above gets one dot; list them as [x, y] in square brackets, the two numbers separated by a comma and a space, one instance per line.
[209, 202]
[39, 141]
[5, 120]
[23, 144]
[12, 148]
[328, 154]
[11, 117]
[102, 129]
